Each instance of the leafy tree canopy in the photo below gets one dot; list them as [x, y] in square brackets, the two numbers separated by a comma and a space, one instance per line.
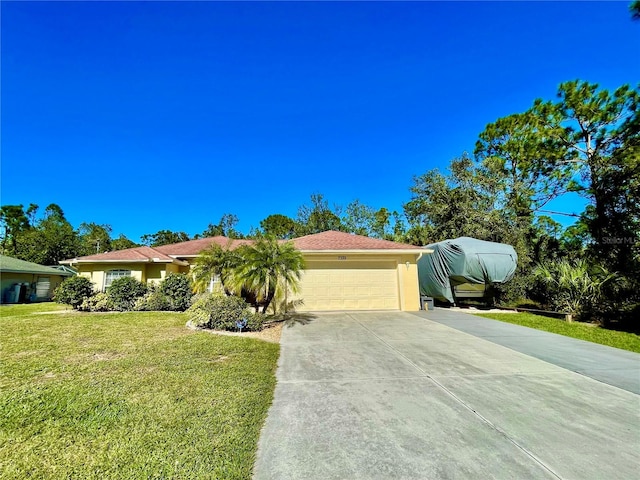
[94, 238]
[226, 227]
[279, 226]
[163, 237]
[317, 216]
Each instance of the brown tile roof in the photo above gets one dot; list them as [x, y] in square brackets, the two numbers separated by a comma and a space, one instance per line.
[136, 254]
[194, 247]
[332, 240]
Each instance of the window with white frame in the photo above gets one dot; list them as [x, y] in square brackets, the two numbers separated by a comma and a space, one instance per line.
[114, 275]
[215, 285]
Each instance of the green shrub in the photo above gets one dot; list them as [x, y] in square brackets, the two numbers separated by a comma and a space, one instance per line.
[100, 302]
[219, 312]
[572, 287]
[513, 290]
[124, 292]
[154, 301]
[255, 322]
[177, 289]
[73, 291]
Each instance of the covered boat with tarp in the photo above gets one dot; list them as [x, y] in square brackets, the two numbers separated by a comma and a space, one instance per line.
[465, 268]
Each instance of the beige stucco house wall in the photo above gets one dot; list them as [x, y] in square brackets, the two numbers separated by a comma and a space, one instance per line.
[343, 271]
[359, 281]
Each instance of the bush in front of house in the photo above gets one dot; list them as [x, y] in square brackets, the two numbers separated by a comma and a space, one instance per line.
[177, 289]
[73, 291]
[221, 312]
[124, 292]
[100, 302]
[153, 301]
[255, 322]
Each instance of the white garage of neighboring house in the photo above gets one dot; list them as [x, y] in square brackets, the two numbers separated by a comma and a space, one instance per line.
[343, 271]
[22, 281]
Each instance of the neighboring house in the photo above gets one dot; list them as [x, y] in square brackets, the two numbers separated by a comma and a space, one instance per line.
[343, 271]
[22, 281]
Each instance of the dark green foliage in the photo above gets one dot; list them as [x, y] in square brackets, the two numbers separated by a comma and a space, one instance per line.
[317, 217]
[255, 322]
[74, 291]
[226, 227]
[14, 220]
[124, 292]
[122, 242]
[364, 220]
[220, 312]
[177, 289]
[514, 290]
[52, 240]
[163, 237]
[94, 238]
[279, 226]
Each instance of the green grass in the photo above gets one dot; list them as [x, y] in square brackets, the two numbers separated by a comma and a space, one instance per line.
[612, 338]
[15, 309]
[128, 395]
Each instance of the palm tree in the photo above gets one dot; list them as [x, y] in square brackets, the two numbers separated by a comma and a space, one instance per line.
[212, 262]
[573, 286]
[269, 265]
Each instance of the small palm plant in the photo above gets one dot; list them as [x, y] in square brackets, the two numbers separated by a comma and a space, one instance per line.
[215, 262]
[573, 287]
[268, 266]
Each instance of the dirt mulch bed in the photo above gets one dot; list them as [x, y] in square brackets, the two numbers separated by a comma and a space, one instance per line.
[270, 333]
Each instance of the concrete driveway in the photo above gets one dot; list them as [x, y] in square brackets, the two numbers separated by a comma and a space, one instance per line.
[394, 395]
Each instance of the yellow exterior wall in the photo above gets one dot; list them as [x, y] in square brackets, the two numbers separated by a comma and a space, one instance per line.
[96, 272]
[173, 268]
[155, 273]
[405, 266]
[408, 283]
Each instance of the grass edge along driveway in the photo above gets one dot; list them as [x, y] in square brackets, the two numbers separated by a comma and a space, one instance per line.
[581, 331]
[128, 395]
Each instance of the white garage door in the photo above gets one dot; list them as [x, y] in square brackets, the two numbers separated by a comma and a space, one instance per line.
[349, 286]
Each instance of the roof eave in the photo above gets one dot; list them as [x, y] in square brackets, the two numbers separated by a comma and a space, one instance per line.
[389, 251]
[148, 260]
[59, 272]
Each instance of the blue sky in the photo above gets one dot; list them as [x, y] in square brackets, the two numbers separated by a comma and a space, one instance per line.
[165, 115]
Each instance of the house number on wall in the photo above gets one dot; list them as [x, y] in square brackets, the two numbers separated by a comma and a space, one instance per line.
[342, 257]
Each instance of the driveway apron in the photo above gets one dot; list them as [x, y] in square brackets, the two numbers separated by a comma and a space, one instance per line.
[382, 395]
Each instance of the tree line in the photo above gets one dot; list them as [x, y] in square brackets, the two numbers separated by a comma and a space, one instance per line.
[585, 141]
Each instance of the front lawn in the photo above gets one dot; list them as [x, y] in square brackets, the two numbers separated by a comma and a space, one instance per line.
[128, 395]
[612, 338]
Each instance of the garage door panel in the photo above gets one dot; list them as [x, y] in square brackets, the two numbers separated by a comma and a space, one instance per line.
[346, 286]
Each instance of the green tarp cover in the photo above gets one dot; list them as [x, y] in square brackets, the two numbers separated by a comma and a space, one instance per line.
[464, 260]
